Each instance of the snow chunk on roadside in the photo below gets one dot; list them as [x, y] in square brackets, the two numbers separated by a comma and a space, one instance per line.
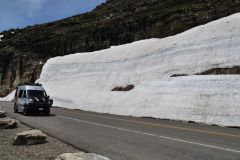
[1, 36]
[81, 156]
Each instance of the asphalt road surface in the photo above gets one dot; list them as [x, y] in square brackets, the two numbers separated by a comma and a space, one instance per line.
[129, 138]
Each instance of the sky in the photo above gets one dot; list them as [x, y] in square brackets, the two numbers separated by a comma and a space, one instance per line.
[22, 13]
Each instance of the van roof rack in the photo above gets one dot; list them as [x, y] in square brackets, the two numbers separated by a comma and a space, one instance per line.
[37, 84]
[30, 84]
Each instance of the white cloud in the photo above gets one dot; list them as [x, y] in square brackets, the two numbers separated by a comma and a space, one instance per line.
[32, 6]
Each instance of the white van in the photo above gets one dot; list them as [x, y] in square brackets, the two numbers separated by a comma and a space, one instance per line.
[31, 98]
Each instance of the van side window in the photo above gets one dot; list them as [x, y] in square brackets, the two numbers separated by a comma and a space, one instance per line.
[20, 94]
[24, 94]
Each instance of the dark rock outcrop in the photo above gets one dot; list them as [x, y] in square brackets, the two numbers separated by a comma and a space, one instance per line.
[112, 23]
[179, 75]
[124, 89]
[221, 71]
[235, 70]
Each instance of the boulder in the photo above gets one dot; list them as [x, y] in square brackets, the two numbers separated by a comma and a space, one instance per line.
[81, 155]
[2, 113]
[30, 137]
[8, 124]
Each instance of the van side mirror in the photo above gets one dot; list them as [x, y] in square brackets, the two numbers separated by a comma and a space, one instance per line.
[50, 102]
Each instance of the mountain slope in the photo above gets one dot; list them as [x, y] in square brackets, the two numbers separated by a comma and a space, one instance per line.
[113, 23]
[93, 81]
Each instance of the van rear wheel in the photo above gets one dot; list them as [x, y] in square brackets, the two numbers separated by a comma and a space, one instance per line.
[15, 108]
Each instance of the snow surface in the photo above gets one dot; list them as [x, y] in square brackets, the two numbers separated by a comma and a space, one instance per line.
[1, 36]
[85, 80]
[9, 97]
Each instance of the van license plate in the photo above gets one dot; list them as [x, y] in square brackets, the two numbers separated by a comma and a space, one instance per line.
[40, 109]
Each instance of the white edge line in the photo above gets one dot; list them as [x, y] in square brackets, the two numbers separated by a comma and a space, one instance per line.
[153, 135]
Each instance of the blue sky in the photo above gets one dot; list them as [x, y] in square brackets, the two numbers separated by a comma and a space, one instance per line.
[21, 13]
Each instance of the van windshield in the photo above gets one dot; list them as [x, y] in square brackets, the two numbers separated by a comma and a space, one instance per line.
[36, 93]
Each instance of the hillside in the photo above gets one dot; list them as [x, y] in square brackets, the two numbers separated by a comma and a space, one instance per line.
[24, 51]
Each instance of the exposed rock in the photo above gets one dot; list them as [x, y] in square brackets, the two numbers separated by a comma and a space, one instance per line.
[18, 70]
[178, 75]
[81, 156]
[2, 113]
[127, 88]
[117, 89]
[30, 137]
[221, 71]
[8, 124]
[235, 70]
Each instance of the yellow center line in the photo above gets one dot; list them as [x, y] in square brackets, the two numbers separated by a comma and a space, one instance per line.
[158, 125]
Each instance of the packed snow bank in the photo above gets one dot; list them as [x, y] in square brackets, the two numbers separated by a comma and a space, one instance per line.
[85, 80]
[9, 97]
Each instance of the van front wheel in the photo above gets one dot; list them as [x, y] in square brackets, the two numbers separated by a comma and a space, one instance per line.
[47, 112]
[25, 111]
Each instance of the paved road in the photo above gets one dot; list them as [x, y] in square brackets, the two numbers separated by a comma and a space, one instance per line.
[128, 138]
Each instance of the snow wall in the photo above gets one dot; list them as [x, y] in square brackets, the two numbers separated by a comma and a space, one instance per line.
[85, 80]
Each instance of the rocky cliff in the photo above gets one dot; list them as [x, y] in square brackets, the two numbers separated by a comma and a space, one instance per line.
[24, 51]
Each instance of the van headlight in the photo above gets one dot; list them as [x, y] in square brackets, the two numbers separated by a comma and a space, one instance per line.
[30, 100]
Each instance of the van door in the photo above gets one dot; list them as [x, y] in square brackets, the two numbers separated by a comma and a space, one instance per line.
[24, 97]
[20, 101]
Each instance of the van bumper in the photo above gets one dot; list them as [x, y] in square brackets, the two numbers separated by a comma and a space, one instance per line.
[38, 107]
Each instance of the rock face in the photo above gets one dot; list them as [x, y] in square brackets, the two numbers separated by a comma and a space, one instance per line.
[30, 138]
[82, 156]
[8, 124]
[2, 113]
[24, 51]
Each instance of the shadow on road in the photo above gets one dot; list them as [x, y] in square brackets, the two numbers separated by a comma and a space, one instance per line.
[39, 115]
